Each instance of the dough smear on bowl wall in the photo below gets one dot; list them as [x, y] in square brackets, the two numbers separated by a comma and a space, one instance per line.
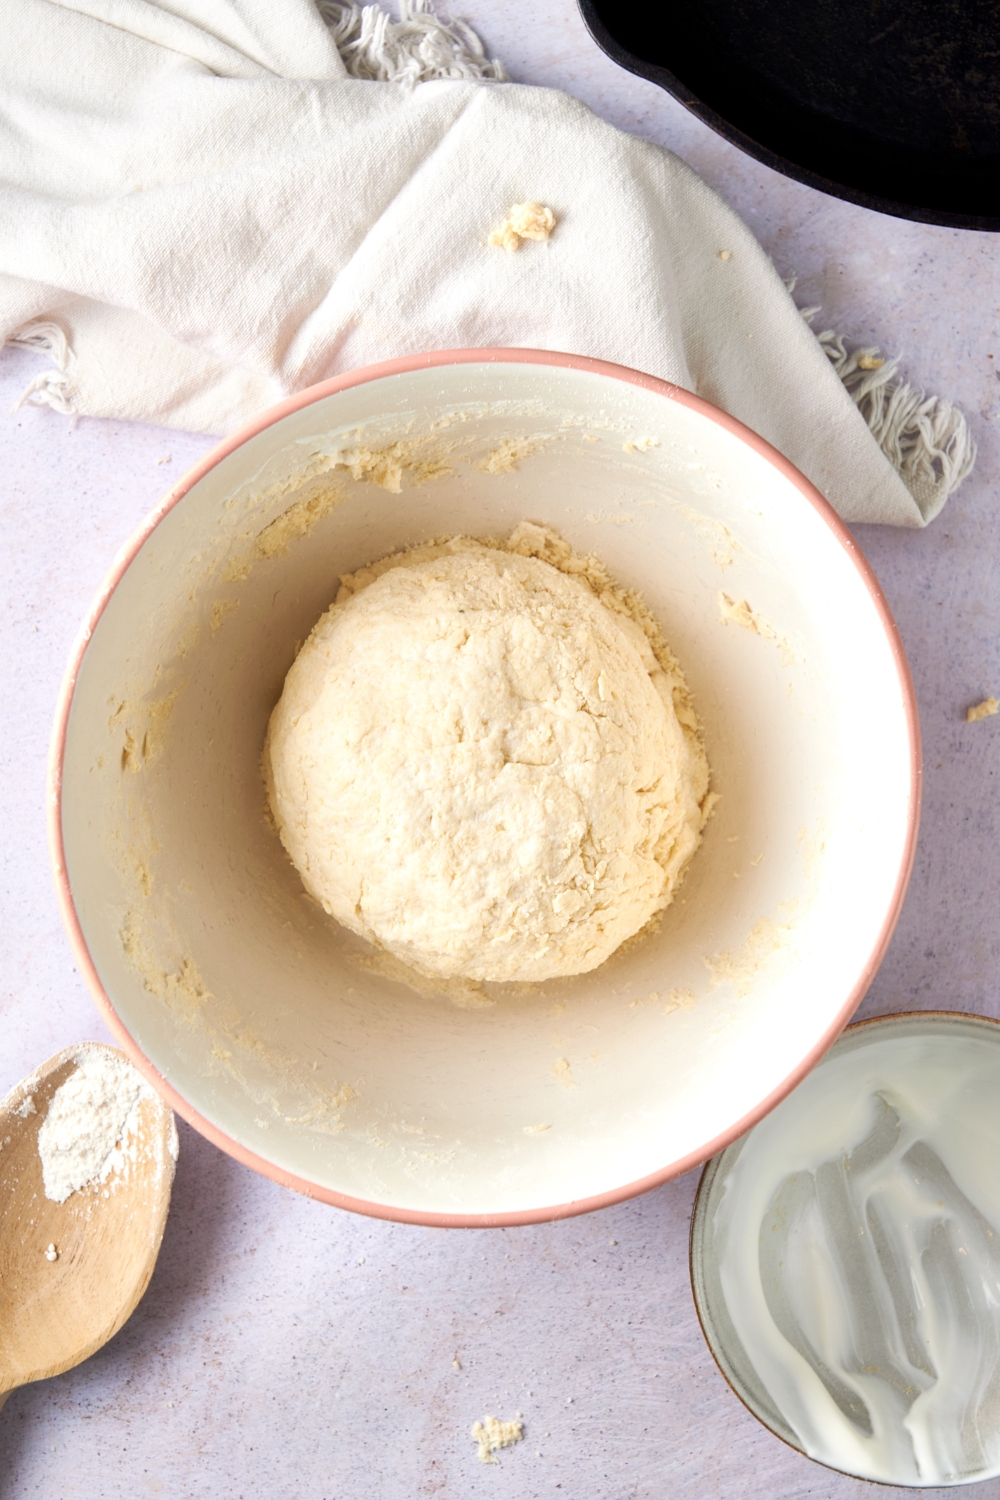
[486, 762]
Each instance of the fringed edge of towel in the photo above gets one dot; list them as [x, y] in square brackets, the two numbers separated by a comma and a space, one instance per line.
[925, 438]
[51, 387]
[420, 46]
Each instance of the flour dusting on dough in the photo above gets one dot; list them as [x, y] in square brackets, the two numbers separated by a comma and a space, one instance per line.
[531, 757]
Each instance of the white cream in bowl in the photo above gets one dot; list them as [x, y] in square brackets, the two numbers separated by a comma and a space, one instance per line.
[846, 1255]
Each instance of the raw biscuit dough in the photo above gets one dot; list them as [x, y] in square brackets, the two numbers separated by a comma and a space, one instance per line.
[478, 767]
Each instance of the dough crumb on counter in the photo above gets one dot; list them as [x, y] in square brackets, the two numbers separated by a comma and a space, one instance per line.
[984, 710]
[491, 1434]
[525, 221]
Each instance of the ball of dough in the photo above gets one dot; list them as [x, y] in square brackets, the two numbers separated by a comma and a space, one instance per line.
[477, 766]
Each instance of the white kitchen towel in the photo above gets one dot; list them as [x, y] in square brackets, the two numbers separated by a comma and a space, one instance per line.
[208, 204]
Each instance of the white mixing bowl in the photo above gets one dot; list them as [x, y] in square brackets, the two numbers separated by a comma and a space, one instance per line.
[278, 1034]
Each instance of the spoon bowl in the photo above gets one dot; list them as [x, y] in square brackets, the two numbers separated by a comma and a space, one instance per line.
[72, 1273]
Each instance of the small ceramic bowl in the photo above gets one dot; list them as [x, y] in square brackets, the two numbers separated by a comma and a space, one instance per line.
[843, 1255]
[281, 1036]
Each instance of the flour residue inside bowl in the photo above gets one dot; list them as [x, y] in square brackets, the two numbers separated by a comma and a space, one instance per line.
[741, 612]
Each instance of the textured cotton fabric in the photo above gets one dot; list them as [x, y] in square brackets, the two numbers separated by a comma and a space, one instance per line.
[203, 213]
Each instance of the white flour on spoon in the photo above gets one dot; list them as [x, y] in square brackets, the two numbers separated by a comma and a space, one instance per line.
[92, 1119]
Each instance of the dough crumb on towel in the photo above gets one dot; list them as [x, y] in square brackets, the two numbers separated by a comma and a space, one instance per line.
[483, 768]
[526, 221]
[984, 710]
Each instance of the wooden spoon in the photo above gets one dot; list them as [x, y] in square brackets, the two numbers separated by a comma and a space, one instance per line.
[57, 1308]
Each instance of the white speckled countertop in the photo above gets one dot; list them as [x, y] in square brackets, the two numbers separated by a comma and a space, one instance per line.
[285, 1349]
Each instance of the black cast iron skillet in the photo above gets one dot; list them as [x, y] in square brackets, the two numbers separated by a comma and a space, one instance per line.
[894, 104]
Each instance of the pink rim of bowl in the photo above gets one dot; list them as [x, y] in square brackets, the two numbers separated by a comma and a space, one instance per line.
[124, 559]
